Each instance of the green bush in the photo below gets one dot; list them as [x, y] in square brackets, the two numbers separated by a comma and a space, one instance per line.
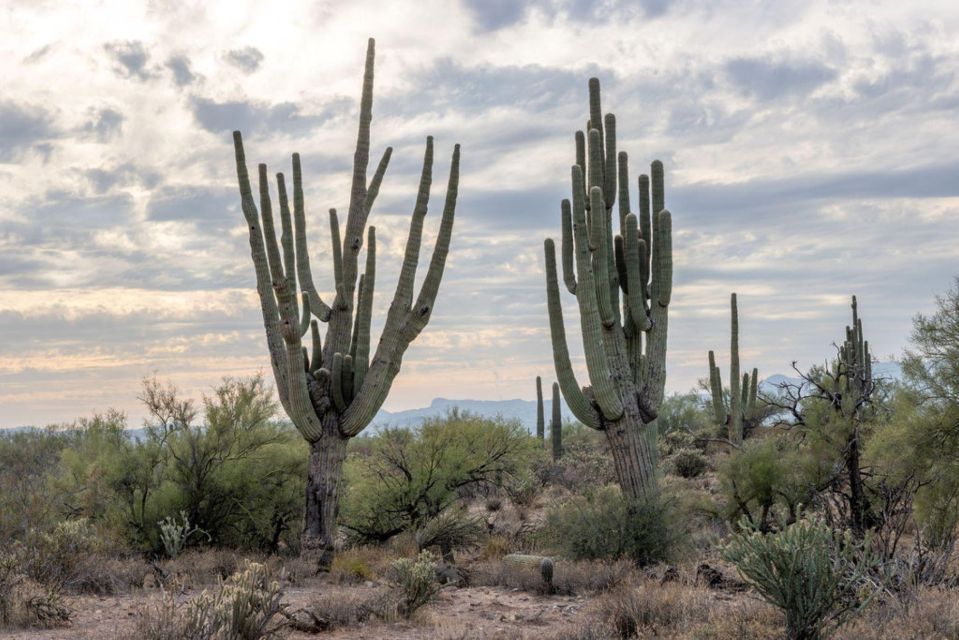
[414, 582]
[605, 525]
[400, 479]
[688, 463]
[815, 578]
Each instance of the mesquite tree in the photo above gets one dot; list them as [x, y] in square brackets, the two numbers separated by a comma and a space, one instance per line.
[738, 415]
[625, 347]
[333, 391]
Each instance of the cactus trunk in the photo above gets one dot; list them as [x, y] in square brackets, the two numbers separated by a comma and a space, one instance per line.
[323, 498]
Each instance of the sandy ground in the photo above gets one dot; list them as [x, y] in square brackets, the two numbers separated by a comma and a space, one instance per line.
[475, 612]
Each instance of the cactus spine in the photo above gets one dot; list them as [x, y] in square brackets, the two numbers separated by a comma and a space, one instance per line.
[333, 393]
[556, 425]
[625, 347]
[739, 414]
[540, 413]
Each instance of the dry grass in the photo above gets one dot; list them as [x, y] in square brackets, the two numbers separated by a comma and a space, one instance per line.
[931, 614]
[568, 577]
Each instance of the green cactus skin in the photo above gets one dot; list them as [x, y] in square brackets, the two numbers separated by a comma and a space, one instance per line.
[333, 395]
[623, 286]
[540, 413]
[556, 425]
[739, 415]
[543, 564]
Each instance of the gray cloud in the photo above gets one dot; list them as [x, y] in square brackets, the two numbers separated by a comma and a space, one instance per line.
[179, 66]
[248, 58]
[106, 124]
[492, 15]
[205, 206]
[769, 79]
[253, 117]
[24, 127]
[132, 57]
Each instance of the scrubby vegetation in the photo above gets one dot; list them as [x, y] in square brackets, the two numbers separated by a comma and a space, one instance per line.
[828, 505]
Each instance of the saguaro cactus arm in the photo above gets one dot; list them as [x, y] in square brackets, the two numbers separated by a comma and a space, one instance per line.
[339, 376]
[556, 424]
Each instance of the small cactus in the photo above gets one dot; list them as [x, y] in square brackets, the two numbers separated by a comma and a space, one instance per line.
[540, 413]
[542, 563]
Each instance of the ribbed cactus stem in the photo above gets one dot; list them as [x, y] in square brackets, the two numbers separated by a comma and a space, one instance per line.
[540, 414]
[739, 414]
[556, 425]
[541, 564]
[623, 285]
[735, 391]
[333, 393]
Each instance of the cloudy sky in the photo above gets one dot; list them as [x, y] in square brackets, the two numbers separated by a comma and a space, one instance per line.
[810, 150]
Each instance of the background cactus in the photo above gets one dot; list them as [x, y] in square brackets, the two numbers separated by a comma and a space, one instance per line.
[540, 413]
[740, 414]
[332, 392]
[625, 346]
[556, 425]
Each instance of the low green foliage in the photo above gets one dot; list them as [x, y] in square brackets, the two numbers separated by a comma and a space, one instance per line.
[816, 578]
[401, 479]
[688, 463]
[606, 526]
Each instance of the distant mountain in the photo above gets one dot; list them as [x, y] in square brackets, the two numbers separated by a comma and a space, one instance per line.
[522, 410]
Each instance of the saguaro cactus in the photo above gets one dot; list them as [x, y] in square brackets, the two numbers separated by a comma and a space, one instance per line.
[540, 413]
[556, 425]
[332, 392]
[852, 394]
[625, 347]
[739, 414]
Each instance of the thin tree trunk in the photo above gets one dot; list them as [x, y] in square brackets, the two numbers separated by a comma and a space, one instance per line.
[323, 499]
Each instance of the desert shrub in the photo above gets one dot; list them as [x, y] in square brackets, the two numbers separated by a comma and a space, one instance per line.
[605, 525]
[767, 480]
[451, 530]
[331, 611]
[400, 479]
[350, 566]
[816, 579]
[585, 461]
[688, 463]
[494, 504]
[242, 608]
[56, 557]
[414, 582]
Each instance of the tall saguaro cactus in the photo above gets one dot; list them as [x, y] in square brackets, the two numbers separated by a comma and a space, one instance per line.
[625, 346]
[739, 414]
[853, 387]
[332, 391]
